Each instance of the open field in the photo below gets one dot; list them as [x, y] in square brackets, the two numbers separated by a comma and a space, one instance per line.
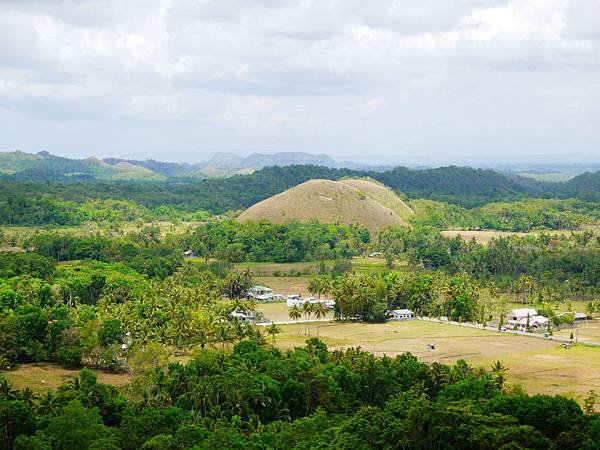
[260, 269]
[93, 227]
[585, 331]
[285, 285]
[42, 376]
[539, 365]
[485, 236]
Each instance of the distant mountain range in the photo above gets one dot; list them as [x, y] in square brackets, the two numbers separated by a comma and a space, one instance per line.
[43, 165]
[19, 165]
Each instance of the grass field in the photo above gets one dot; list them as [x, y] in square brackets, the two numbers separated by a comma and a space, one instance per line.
[45, 375]
[268, 269]
[485, 236]
[285, 285]
[540, 366]
[92, 227]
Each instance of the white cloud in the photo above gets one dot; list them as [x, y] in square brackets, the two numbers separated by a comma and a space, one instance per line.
[253, 71]
[374, 104]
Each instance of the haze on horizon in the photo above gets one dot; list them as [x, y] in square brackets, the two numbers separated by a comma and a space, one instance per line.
[422, 82]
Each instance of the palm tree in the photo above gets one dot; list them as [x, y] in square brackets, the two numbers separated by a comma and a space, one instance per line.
[307, 308]
[224, 334]
[28, 397]
[319, 311]
[48, 404]
[591, 308]
[204, 333]
[526, 285]
[314, 286]
[295, 313]
[499, 373]
[6, 390]
[273, 329]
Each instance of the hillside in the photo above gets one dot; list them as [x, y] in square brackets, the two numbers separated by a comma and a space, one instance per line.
[382, 194]
[346, 202]
[585, 186]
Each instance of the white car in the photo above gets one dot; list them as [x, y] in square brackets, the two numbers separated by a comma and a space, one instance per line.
[443, 319]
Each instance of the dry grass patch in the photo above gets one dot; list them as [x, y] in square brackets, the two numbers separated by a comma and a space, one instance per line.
[285, 285]
[42, 376]
[541, 366]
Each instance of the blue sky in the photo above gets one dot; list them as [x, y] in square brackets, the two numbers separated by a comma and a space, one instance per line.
[392, 81]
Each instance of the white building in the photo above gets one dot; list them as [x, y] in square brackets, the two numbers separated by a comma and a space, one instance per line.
[518, 314]
[243, 316]
[260, 293]
[401, 314]
[299, 301]
[521, 318]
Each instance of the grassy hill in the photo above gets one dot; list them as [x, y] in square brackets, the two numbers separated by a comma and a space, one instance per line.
[346, 202]
[382, 194]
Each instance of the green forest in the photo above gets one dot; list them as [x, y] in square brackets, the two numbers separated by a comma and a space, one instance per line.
[472, 197]
[125, 300]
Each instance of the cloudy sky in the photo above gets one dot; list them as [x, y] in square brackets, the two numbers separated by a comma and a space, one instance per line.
[386, 81]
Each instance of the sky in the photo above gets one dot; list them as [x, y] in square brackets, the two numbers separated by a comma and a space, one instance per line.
[381, 82]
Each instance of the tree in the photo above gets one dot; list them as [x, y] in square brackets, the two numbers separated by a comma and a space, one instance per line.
[273, 329]
[295, 313]
[589, 402]
[499, 374]
[307, 309]
[223, 334]
[76, 428]
[111, 332]
[320, 311]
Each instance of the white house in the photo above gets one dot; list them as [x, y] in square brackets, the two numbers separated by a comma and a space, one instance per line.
[400, 314]
[256, 291]
[581, 316]
[519, 318]
[243, 316]
[294, 300]
[521, 313]
[299, 301]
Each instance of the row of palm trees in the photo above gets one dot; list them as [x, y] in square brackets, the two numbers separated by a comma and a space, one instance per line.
[318, 309]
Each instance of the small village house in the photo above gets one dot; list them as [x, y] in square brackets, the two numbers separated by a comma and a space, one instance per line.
[400, 314]
[525, 319]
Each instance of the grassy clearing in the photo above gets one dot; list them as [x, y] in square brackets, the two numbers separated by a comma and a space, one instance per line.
[485, 236]
[285, 285]
[587, 331]
[368, 264]
[92, 227]
[541, 366]
[43, 376]
[267, 269]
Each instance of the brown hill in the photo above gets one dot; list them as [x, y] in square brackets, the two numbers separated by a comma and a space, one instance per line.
[345, 202]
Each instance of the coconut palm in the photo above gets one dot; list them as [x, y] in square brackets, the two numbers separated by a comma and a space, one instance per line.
[295, 313]
[307, 308]
[273, 329]
[224, 334]
[320, 311]
[499, 373]
[6, 390]
[48, 404]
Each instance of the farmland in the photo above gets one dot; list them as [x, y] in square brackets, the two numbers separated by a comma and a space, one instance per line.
[539, 365]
